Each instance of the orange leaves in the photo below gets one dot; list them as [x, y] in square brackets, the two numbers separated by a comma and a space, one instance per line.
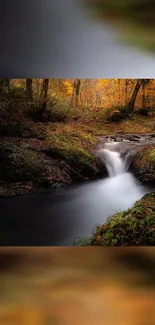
[68, 86]
[103, 93]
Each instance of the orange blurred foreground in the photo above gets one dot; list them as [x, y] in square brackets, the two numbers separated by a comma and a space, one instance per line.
[62, 286]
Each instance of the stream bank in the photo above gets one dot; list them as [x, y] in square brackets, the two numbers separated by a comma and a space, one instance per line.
[31, 165]
[34, 165]
[57, 218]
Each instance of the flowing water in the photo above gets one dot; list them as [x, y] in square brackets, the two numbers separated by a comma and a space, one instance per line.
[113, 162]
[58, 218]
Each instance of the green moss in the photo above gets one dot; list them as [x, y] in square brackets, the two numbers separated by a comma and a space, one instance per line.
[22, 129]
[75, 150]
[152, 155]
[31, 130]
[134, 227]
[18, 164]
[143, 164]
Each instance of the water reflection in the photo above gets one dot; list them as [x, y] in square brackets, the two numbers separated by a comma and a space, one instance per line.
[59, 218]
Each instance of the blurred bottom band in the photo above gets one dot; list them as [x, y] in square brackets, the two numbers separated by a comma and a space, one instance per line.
[81, 285]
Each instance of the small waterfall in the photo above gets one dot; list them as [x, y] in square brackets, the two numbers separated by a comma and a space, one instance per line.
[113, 161]
[121, 189]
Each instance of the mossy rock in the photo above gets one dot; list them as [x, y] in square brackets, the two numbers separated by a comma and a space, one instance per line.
[134, 227]
[22, 129]
[143, 164]
[18, 164]
[81, 161]
[69, 149]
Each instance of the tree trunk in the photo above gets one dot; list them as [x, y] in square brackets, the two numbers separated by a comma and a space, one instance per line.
[140, 82]
[29, 90]
[7, 84]
[143, 96]
[77, 91]
[145, 82]
[134, 95]
[1, 86]
[72, 99]
[126, 92]
[4, 84]
[43, 96]
[119, 91]
[37, 86]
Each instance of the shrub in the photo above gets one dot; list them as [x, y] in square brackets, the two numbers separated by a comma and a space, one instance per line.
[54, 111]
[113, 115]
[144, 111]
[117, 113]
[16, 93]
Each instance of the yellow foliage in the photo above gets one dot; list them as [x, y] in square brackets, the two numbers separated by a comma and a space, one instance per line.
[68, 85]
[96, 93]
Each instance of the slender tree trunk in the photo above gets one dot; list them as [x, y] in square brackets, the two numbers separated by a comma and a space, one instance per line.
[72, 100]
[143, 95]
[1, 86]
[140, 82]
[29, 90]
[126, 92]
[7, 84]
[134, 95]
[145, 82]
[37, 87]
[77, 91]
[43, 96]
[4, 84]
[119, 91]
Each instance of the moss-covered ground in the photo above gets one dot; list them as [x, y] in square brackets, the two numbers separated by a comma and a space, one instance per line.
[143, 164]
[134, 227]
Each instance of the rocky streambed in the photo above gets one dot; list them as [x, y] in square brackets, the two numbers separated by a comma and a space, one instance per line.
[137, 150]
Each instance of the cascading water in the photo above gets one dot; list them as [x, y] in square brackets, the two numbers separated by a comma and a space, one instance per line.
[113, 162]
[121, 188]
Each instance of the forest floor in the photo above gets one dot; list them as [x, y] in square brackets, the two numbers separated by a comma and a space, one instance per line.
[53, 155]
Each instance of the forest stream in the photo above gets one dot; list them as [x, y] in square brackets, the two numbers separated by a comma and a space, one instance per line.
[58, 218]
